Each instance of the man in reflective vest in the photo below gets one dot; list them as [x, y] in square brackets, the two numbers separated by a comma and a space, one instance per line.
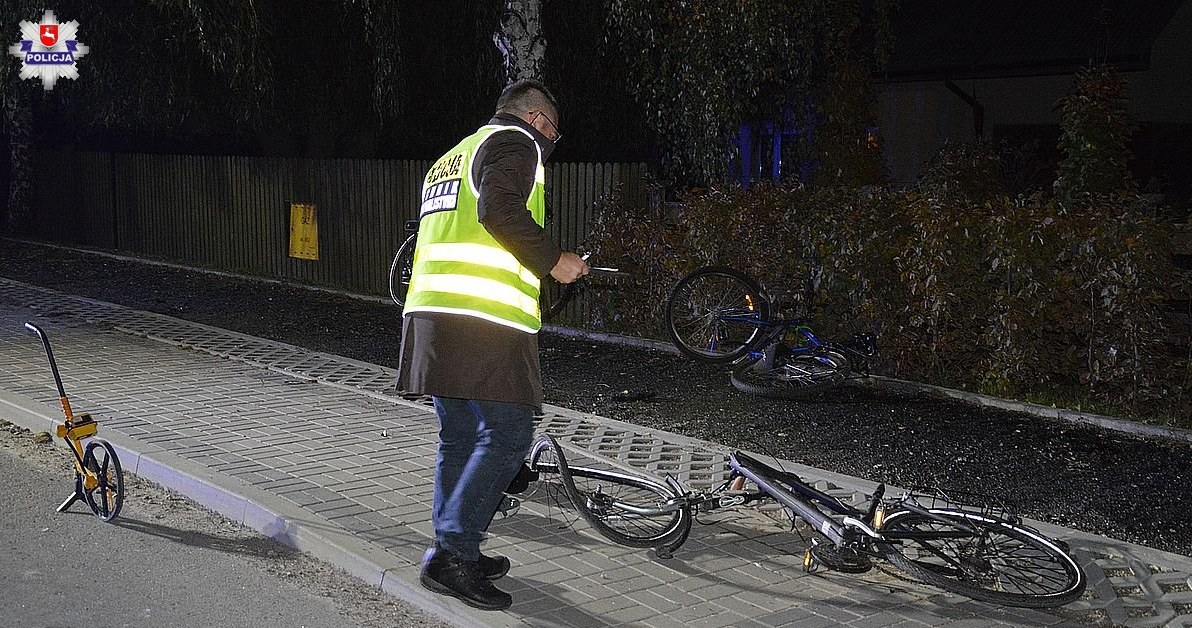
[469, 335]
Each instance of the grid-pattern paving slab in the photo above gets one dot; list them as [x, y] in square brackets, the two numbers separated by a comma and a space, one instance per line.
[328, 435]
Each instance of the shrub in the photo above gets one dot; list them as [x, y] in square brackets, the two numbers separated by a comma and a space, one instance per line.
[1020, 296]
[969, 171]
[1050, 294]
[1094, 138]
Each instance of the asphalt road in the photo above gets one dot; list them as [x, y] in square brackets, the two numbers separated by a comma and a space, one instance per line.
[163, 562]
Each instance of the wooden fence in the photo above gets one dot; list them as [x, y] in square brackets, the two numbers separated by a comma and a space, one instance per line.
[233, 213]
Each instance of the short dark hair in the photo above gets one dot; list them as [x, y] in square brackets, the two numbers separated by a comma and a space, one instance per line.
[524, 96]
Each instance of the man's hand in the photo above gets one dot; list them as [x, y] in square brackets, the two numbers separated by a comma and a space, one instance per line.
[569, 268]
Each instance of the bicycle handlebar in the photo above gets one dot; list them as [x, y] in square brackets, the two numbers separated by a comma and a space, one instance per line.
[601, 269]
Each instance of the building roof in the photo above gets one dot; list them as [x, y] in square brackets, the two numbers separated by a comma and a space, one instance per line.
[942, 39]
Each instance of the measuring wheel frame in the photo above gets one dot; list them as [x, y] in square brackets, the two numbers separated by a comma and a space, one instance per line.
[99, 477]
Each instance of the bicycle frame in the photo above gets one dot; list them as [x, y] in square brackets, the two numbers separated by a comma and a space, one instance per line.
[802, 498]
[776, 330]
[799, 497]
[845, 525]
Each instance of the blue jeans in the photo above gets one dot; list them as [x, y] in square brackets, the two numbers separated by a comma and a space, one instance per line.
[481, 447]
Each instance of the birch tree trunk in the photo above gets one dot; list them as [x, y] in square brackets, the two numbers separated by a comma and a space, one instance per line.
[521, 41]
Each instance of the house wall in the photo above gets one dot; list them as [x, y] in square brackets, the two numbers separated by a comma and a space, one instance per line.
[917, 118]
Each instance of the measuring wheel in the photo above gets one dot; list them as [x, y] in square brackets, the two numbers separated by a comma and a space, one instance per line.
[99, 480]
[103, 484]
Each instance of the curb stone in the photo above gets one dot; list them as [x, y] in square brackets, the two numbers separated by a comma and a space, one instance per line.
[1047, 412]
[267, 514]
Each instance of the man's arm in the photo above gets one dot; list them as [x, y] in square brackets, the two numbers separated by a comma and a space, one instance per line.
[504, 169]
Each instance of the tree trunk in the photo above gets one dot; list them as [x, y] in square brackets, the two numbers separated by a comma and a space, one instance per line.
[521, 41]
[18, 120]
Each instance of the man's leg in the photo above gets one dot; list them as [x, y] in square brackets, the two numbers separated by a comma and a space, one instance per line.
[458, 426]
[471, 472]
[502, 441]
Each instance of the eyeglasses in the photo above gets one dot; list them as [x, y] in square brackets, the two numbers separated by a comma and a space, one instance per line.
[558, 136]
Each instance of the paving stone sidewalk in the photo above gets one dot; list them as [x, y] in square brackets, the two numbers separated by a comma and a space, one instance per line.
[315, 450]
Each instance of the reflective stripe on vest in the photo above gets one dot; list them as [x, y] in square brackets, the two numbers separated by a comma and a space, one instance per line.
[479, 254]
[459, 268]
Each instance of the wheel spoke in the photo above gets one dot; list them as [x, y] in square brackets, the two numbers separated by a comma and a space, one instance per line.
[618, 505]
[1000, 563]
[106, 497]
[714, 313]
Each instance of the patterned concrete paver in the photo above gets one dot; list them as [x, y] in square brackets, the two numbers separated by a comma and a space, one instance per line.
[313, 449]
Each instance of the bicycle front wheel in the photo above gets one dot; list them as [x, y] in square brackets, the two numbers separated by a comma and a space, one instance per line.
[716, 314]
[400, 270]
[789, 377]
[982, 557]
[626, 509]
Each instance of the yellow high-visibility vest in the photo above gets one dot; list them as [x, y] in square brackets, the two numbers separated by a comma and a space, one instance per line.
[459, 268]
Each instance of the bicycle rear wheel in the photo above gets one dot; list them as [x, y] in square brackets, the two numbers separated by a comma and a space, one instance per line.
[626, 509]
[554, 297]
[982, 557]
[400, 270]
[789, 377]
[716, 314]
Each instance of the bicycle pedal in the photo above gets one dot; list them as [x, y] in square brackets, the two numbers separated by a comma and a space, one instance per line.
[508, 507]
[809, 562]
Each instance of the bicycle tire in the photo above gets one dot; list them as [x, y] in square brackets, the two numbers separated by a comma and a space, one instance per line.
[1044, 575]
[553, 298]
[605, 500]
[107, 497]
[696, 308]
[789, 377]
[400, 270]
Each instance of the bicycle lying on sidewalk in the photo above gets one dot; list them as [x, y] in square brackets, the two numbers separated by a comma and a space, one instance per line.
[718, 314]
[983, 552]
[99, 480]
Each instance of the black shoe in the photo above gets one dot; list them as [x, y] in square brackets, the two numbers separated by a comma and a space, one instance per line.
[491, 567]
[521, 481]
[446, 574]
